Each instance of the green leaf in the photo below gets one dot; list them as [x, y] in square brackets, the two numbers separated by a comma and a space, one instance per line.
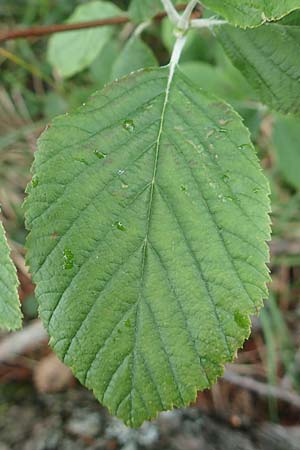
[292, 19]
[225, 83]
[135, 55]
[10, 312]
[141, 10]
[73, 51]
[101, 68]
[252, 13]
[147, 240]
[114, 62]
[268, 58]
[286, 140]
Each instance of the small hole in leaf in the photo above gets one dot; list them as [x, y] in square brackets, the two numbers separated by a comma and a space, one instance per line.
[128, 125]
[35, 181]
[100, 154]
[68, 259]
[119, 226]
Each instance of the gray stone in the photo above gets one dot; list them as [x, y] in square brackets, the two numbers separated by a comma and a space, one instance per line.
[84, 423]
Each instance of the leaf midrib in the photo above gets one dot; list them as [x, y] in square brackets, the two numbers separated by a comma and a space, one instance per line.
[171, 73]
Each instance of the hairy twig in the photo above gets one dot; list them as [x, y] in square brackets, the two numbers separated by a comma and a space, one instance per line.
[171, 11]
[184, 19]
[207, 23]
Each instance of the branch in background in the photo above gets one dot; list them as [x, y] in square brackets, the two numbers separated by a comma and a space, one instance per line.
[284, 247]
[263, 389]
[58, 28]
[20, 342]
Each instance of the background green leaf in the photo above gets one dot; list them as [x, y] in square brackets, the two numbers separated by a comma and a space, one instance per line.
[135, 55]
[147, 241]
[73, 51]
[141, 10]
[251, 13]
[101, 68]
[286, 140]
[227, 84]
[10, 312]
[268, 58]
[114, 61]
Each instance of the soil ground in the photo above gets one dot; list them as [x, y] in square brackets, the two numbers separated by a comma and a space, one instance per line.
[74, 420]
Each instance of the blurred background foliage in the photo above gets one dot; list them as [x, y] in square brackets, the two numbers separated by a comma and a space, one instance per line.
[33, 91]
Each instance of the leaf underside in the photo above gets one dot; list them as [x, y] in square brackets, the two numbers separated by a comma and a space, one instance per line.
[268, 58]
[10, 312]
[252, 13]
[148, 220]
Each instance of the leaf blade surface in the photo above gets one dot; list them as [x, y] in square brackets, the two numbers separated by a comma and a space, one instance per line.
[10, 312]
[155, 238]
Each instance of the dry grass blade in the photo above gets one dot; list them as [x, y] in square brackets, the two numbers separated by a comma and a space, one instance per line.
[17, 143]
